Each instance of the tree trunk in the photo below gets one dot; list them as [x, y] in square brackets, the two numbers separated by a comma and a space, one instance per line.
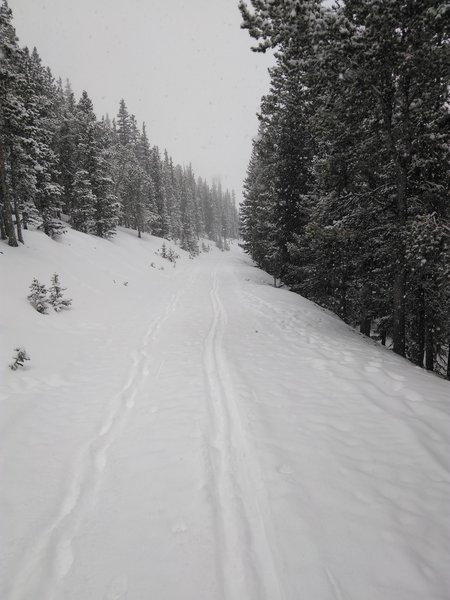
[2, 227]
[420, 333]
[365, 319]
[448, 361]
[429, 351]
[343, 299]
[399, 290]
[398, 326]
[15, 201]
[383, 337]
[365, 325]
[399, 285]
[4, 200]
[18, 221]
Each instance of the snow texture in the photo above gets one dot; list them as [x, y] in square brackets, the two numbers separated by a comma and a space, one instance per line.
[197, 434]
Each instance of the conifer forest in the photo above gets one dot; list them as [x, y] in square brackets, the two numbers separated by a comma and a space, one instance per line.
[59, 163]
[347, 193]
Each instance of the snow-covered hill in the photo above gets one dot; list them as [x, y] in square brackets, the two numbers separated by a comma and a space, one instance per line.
[193, 433]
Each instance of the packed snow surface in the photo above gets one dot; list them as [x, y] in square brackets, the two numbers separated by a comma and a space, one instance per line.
[192, 433]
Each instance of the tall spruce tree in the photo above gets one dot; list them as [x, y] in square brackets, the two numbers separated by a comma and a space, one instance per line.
[9, 60]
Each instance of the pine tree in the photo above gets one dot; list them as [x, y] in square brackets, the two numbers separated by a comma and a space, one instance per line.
[83, 209]
[189, 240]
[133, 184]
[161, 225]
[48, 196]
[123, 124]
[19, 359]
[171, 218]
[38, 296]
[107, 207]
[9, 55]
[56, 298]
[67, 140]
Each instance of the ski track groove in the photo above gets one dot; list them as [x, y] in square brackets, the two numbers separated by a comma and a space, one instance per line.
[54, 547]
[245, 565]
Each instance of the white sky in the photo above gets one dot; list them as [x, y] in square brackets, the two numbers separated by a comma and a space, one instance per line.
[183, 67]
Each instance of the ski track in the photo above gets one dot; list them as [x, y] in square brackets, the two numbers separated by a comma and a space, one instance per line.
[54, 547]
[245, 564]
[333, 584]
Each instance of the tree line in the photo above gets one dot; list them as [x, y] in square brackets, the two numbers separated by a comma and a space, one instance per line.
[59, 163]
[347, 190]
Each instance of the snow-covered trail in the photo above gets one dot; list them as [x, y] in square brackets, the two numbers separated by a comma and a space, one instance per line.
[245, 554]
[246, 445]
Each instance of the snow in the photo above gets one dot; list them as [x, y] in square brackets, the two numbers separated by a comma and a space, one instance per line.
[199, 434]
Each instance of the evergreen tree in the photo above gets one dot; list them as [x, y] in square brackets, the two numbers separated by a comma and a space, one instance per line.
[19, 359]
[107, 207]
[83, 209]
[48, 196]
[172, 195]
[38, 296]
[161, 225]
[67, 140]
[9, 55]
[56, 298]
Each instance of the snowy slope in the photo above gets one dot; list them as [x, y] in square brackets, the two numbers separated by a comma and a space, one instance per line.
[198, 434]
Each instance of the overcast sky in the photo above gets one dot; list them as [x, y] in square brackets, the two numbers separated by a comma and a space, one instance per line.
[183, 67]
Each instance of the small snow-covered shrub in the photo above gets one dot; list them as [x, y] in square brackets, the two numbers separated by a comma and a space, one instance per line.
[19, 358]
[167, 253]
[56, 294]
[171, 255]
[38, 296]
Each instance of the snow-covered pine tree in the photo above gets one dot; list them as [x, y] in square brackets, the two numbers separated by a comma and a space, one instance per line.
[83, 207]
[257, 209]
[19, 358]
[189, 240]
[86, 167]
[48, 196]
[56, 297]
[172, 217]
[133, 184]
[123, 124]
[9, 59]
[107, 207]
[143, 154]
[161, 225]
[38, 296]
[67, 146]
